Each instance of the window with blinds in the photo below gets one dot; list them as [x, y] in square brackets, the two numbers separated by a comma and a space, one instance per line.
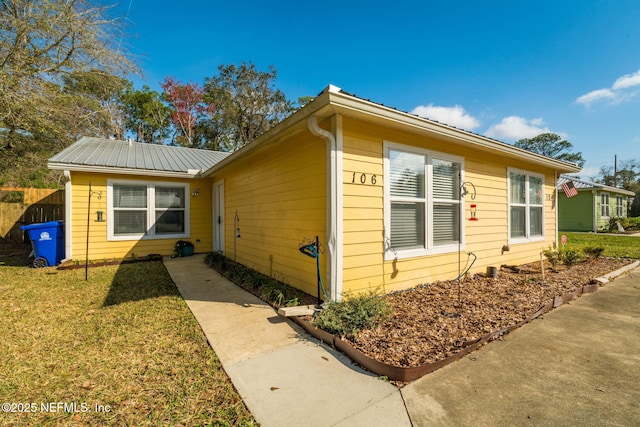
[129, 209]
[148, 210]
[526, 206]
[422, 201]
[407, 190]
[446, 202]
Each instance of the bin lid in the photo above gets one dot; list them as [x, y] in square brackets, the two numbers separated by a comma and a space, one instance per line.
[41, 225]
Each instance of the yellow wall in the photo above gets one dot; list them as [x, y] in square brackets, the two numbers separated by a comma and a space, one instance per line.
[100, 248]
[279, 194]
[363, 261]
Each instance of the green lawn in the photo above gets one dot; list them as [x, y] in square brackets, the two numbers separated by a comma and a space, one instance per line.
[618, 246]
[124, 340]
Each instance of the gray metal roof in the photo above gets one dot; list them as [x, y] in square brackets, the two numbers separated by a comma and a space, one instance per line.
[581, 184]
[109, 153]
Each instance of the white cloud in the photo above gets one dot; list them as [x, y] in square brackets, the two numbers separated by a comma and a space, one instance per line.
[618, 92]
[452, 116]
[513, 128]
[593, 96]
[626, 81]
[589, 173]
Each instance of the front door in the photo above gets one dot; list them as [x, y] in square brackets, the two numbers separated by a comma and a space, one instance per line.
[218, 217]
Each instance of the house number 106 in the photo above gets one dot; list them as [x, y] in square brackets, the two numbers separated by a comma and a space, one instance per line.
[362, 178]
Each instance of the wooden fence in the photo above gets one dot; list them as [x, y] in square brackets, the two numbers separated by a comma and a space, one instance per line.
[21, 206]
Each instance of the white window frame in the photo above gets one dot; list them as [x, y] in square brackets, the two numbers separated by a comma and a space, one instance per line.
[527, 205]
[605, 207]
[150, 209]
[620, 213]
[391, 253]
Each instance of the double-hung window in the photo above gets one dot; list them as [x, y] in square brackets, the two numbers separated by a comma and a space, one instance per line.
[526, 208]
[604, 204]
[422, 201]
[140, 210]
[620, 213]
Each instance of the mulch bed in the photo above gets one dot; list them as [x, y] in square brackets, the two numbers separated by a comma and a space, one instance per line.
[433, 322]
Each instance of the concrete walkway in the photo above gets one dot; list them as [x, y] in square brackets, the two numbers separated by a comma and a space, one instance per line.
[577, 365]
[284, 376]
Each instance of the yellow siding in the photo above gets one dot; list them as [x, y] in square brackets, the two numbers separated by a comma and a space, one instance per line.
[279, 195]
[363, 222]
[100, 248]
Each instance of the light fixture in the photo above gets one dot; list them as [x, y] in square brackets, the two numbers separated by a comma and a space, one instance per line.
[195, 192]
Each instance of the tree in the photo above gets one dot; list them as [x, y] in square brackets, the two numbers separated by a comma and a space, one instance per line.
[551, 145]
[98, 98]
[42, 41]
[146, 115]
[188, 109]
[627, 176]
[41, 44]
[246, 105]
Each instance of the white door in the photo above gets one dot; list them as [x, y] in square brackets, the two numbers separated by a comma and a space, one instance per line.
[218, 217]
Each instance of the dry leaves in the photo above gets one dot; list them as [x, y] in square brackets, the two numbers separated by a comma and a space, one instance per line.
[435, 321]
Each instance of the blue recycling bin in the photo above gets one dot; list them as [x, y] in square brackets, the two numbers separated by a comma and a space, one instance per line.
[47, 240]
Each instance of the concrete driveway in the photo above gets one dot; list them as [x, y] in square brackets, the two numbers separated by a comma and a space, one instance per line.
[578, 365]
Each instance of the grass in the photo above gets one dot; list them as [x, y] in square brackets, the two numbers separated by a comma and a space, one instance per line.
[617, 246]
[123, 339]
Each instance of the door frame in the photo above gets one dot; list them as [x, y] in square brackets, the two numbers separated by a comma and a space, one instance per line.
[218, 216]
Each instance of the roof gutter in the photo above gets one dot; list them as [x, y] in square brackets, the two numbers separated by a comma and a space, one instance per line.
[191, 173]
[334, 202]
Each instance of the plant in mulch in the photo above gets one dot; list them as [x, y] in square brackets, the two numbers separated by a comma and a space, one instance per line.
[593, 252]
[269, 289]
[553, 257]
[353, 314]
[570, 257]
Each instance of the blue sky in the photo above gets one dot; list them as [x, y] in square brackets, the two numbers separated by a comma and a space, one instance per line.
[504, 69]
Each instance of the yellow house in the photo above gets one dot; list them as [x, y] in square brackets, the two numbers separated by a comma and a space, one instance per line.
[395, 200]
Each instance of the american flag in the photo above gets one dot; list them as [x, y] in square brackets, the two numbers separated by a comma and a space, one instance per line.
[569, 189]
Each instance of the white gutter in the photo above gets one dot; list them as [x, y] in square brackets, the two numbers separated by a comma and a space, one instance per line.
[555, 200]
[68, 247]
[191, 173]
[334, 205]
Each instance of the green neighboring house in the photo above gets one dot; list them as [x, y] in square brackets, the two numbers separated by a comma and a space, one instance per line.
[592, 207]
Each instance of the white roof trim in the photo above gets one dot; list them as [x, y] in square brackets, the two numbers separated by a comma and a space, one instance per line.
[192, 173]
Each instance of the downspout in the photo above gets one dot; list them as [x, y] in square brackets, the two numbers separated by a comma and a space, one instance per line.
[555, 200]
[334, 196]
[595, 210]
[68, 254]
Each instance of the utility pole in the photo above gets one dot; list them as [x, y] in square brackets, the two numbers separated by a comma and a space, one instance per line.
[615, 170]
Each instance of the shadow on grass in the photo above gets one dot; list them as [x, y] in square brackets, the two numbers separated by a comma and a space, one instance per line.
[15, 254]
[140, 281]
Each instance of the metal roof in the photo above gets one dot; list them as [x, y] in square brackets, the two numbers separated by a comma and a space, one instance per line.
[581, 184]
[102, 153]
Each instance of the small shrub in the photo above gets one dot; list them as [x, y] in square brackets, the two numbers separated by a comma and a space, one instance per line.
[355, 313]
[271, 290]
[570, 257]
[278, 294]
[553, 257]
[593, 252]
[630, 223]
